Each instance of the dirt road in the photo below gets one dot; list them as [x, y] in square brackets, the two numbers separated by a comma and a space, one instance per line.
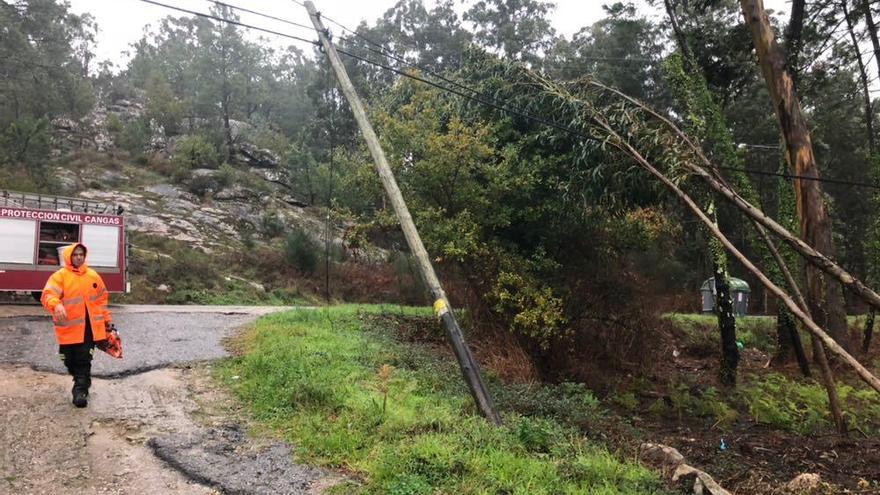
[157, 423]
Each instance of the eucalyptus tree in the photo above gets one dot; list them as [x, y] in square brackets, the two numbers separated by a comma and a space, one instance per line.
[517, 30]
[623, 49]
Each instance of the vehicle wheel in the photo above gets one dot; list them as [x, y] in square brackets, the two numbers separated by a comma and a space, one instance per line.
[36, 295]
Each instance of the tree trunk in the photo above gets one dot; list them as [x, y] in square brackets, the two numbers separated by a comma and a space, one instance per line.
[225, 94]
[869, 330]
[726, 324]
[784, 322]
[825, 297]
[679, 35]
[787, 340]
[863, 77]
[227, 129]
[872, 30]
[794, 39]
[786, 214]
[723, 300]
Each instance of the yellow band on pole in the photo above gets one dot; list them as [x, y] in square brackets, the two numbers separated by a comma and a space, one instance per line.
[440, 307]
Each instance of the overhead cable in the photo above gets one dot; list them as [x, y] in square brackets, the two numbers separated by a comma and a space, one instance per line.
[267, 16]
[230, 21]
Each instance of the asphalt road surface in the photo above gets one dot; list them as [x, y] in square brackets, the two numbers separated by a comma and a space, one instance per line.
[152, 337]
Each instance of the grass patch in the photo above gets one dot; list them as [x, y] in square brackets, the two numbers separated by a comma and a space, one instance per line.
[400, 417]
[702, 331]
[758, 332]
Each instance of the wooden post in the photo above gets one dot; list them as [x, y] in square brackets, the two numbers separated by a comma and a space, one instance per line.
[469, 367]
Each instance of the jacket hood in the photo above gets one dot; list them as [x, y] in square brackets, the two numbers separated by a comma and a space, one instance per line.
[68, 255]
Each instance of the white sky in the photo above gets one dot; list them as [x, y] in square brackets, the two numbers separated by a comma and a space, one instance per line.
[122, 22]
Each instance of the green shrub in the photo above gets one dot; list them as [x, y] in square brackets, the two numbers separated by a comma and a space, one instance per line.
[626, 400]
[25, 141]
[773, 399]
[114, 125]
[188, 270]
[301, 251]
[570, 403]
[162, 105]
[226, 175]
[685, 401]
[539, 435]
[135, 137]
[271, 225]
[802, 406]
[191, 152]
[202, 185]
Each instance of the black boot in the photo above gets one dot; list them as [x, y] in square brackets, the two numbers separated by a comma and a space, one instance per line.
[80, 398]
[81, 391]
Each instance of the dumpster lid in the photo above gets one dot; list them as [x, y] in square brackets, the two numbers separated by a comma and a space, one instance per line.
[736, 284]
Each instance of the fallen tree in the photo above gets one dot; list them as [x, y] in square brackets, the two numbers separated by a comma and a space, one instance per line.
[594, 121]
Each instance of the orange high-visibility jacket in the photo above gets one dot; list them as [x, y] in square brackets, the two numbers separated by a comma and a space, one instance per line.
[78, 289]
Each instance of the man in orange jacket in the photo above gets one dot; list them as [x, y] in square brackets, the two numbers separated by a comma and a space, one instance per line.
[77, 299]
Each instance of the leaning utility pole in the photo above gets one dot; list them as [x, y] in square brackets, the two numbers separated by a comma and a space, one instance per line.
[469, 367]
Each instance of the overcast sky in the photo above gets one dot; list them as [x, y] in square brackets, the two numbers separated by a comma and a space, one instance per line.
[122, 22]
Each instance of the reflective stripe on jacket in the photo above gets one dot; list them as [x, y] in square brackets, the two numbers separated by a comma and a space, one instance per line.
[79, 290]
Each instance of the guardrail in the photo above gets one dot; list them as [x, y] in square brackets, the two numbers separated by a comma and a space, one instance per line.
[46, 201]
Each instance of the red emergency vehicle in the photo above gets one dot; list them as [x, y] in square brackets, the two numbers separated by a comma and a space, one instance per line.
[34, 228]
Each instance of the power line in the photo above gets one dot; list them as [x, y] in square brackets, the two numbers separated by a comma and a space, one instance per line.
[230, 21]
[267, 16]
[801, 177]
[477, 96]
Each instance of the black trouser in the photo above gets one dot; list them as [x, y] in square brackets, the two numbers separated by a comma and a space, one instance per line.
[78, 360]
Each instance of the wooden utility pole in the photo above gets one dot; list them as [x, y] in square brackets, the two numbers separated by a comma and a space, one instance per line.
[469, 367]
[825, 297]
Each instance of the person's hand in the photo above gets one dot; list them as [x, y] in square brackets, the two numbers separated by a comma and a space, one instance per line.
[60, 312]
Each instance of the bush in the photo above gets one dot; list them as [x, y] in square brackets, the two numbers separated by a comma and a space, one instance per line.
[135, 137]
[272, 226]
[539, 435]
[192, 152]
[226, 175]
[163, 106]
[201, 185]
[570, 403]
[187, 273]
[301, 252]
[156, 163]
[802, 406]
[25, 141]
[114, 125]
